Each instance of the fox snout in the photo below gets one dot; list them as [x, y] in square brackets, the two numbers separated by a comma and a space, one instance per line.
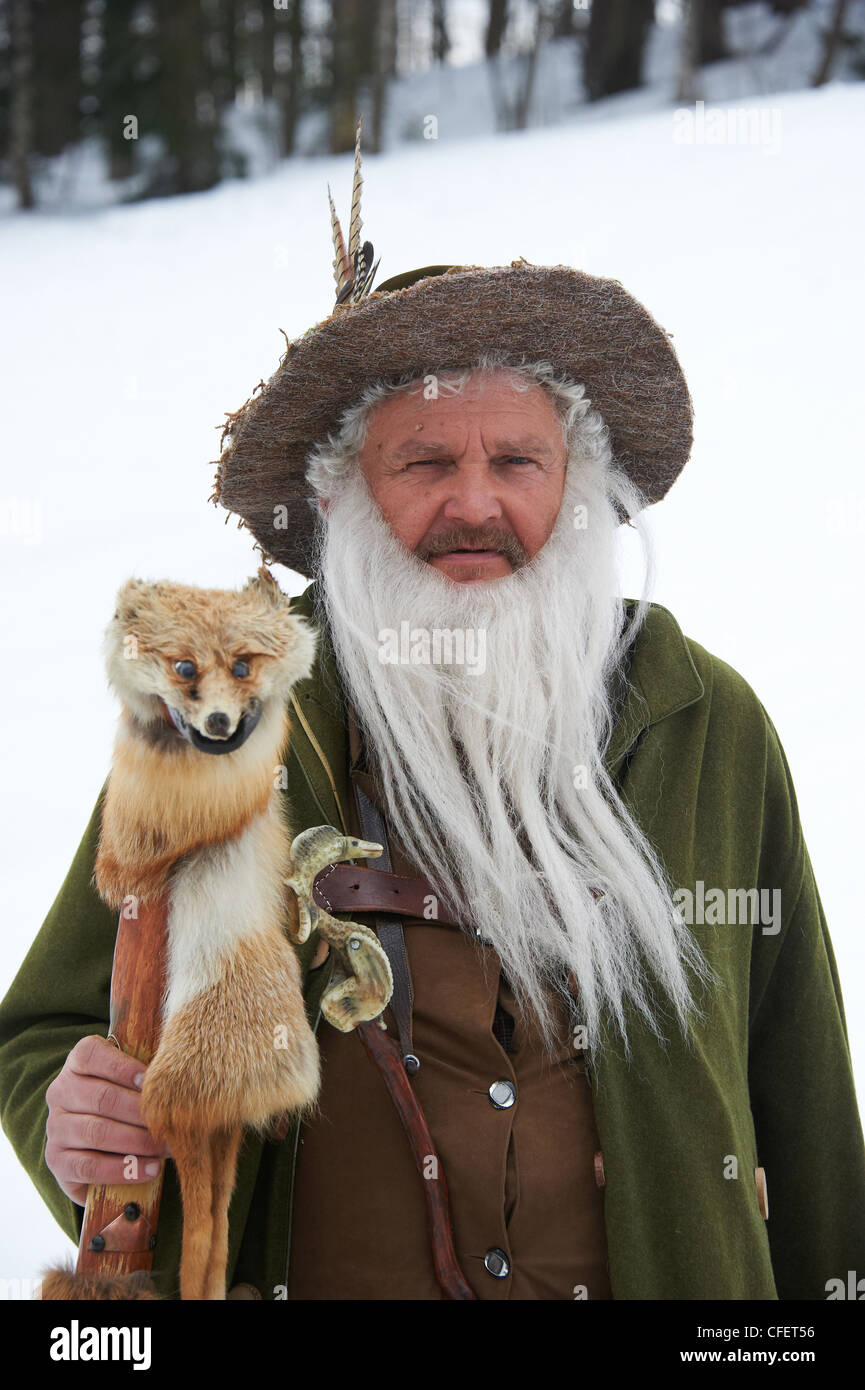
[221, 723]
[215, 730]
[218, 724]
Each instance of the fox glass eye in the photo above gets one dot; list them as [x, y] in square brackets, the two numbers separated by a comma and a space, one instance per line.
[185, 669]
[240, 669]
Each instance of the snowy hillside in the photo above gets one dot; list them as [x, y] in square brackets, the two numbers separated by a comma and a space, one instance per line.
[127, 334]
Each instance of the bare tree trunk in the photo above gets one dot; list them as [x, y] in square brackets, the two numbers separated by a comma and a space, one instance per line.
[830, 48]
[352, 21]
[268, 47]
[512, 106]
[186, 100]
[544, 20]
[362, 53]
[117, 87]
[57, 77]
[618, 30]
[689, 45]
[294, 85]
[384, 18]
[390, 35]
[564, 27]
[497, 23]
[21, 100]
[228, 22]
[441, 42]
[712, 45]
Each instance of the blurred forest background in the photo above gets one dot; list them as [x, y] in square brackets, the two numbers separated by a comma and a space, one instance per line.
[152, 98]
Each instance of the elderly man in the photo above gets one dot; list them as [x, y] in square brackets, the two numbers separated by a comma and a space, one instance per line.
[615, 995]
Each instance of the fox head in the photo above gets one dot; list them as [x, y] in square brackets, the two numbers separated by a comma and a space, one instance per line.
[210, 661]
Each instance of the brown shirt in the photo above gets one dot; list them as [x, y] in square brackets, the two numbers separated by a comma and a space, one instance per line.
[520, 1180]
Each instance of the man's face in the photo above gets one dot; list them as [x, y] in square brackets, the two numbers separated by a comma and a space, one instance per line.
[481, 471]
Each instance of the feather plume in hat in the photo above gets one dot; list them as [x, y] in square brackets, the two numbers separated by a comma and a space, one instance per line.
[353, 269]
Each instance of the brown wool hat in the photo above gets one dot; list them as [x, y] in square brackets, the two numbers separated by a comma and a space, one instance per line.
[426, 321]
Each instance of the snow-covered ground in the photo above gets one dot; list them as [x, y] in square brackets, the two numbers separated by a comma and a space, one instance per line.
[127, 334]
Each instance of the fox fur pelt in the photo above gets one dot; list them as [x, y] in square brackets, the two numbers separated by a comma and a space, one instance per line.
[203, 672]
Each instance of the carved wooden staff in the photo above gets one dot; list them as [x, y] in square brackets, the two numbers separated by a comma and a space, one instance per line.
[118, 1236]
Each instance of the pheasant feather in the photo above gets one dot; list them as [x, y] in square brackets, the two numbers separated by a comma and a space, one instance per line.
[355, 223]
[342, 269]
[353, 267]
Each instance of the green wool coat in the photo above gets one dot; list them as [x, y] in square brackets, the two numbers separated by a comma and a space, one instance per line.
[765, 1078]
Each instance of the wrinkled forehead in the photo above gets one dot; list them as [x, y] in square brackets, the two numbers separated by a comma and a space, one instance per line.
[492, 400]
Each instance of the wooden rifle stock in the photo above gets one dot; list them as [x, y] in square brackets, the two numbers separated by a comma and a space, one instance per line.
[118, 1236]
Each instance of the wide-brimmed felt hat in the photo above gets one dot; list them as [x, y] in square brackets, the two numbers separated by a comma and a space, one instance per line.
[431, 319]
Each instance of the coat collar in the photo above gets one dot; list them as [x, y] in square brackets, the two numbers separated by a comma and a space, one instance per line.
[662, 679]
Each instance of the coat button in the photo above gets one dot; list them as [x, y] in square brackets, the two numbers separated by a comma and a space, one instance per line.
[762, 1192]
[600, 1176]
[502, 1094]
[496, 1263]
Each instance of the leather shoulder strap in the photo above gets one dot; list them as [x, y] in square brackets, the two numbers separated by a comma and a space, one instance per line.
[390, 933]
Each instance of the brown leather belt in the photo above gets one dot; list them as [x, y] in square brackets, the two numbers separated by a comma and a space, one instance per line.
[387, 892]
[351, 888]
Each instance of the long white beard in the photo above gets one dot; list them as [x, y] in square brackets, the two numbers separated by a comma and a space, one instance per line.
[530, 729]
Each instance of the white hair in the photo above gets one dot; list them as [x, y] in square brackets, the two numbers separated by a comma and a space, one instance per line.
[583, 430]
[478, 769]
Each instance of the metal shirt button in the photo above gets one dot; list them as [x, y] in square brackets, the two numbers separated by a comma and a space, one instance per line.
[502, 1094]
[496, 1263]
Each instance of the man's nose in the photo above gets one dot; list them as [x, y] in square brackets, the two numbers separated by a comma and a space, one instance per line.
[473, 497]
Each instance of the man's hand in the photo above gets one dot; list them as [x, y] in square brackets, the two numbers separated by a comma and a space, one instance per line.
[94, 1121]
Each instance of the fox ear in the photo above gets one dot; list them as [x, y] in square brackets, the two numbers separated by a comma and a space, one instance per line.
[265, 586]
[129, 598]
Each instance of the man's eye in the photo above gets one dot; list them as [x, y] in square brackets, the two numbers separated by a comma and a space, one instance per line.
[509, 458]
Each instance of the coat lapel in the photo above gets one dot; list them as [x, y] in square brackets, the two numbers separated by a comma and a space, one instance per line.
[319, 740]
[662, 679]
